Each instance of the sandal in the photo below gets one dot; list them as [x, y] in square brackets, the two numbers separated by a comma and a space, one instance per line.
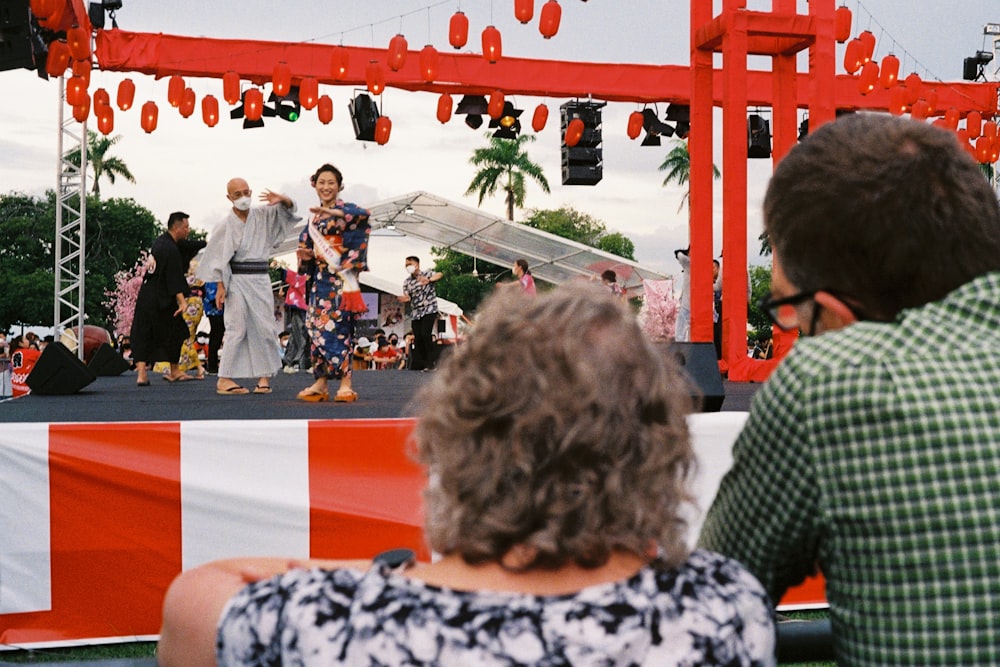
[312, 396]
[232, 391]
[348, 397]
[262, 389]
[183, 377]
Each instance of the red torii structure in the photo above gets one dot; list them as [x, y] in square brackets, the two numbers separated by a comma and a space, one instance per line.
[736, 33]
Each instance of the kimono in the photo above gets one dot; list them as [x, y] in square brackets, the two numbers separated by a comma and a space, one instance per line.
[237, 256]
[340, 246]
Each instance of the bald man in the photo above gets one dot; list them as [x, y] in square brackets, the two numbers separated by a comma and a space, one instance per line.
[236, 258]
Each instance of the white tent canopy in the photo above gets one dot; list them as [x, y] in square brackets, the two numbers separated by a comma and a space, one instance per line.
[447, 224]
[394, 288]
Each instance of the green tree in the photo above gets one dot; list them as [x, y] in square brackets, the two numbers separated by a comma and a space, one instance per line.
[504, 163]
[760, 286]
[677, 164]
[458, 283]
[617, 244]
[117, 231]
[103, 165]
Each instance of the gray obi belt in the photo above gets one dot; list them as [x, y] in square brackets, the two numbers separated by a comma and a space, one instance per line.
[248, 267]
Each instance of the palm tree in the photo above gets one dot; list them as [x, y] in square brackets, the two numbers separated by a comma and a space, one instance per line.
[506, 160]
[677, 164]
[104, 165]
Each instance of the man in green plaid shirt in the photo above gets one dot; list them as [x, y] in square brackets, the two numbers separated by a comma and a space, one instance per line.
[873, 451]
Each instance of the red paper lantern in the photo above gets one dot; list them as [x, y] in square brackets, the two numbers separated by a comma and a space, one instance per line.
[867, 40]
[149, 116]
[444, 108]
[383, 127]
[495, 106]
[82, 110]
[43, 8]
[210, 110]
[983, 147]
[842, 24]
[492, 44]
[340, 59]
[126, 94]
[951, 117]
[397, 53]
[324, 109]
[897, 100]
[101, 98]
[990, 129]
[889, 71]
[175, 90]
[58, 59]
[914, 88]
[868, 77]
[974, 124]
[548, 22]
[55, 19]
[574, 132]
[281, 79]
[853, 58]
[931, 95]
[524, 10]
[428, 63]
[458, 30]
[82, 68]
[253, 104]
[231, 87]
[308, 92]
[188, 103]
[76, 90]
[105, 118]
[919, 110]
[375, 77]
[635, 120]
[540, 117]
[79, 43]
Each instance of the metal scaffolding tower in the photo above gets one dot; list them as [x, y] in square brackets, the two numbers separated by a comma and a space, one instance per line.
[71, 227]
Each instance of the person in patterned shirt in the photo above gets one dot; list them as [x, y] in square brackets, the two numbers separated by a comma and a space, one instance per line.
[418, 291]
[872, 452]
[558, 463]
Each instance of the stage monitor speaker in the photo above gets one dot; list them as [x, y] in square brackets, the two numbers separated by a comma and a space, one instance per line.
[107, 362]
[699, 363]
[59, 372]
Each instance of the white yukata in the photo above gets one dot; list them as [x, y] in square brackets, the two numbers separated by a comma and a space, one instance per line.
[250, 347]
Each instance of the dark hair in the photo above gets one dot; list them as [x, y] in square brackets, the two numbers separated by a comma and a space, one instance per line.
[609, 275]
[413, 258]
[523, 263]
[327, 167]
[175, 217]
[887, 211]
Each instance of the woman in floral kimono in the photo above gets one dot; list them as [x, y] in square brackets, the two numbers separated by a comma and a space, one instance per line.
[333, 249]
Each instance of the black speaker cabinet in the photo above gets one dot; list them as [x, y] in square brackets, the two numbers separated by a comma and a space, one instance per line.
[58, 371]
[106, 362]
[702, 368]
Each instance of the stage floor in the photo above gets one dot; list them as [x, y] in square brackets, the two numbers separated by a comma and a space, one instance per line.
[382, 395]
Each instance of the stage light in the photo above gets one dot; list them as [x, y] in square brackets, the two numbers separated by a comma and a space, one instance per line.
[507, 125]
[472, 107]
[364, 116]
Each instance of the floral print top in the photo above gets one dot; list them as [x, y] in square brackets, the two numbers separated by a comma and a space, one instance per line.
[707, 611]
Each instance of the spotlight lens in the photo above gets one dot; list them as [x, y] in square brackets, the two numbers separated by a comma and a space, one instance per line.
[507, 121]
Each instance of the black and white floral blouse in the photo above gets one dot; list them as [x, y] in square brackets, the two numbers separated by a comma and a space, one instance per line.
[708, 611]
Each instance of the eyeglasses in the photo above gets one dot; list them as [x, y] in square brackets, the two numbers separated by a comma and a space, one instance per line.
[782, 311]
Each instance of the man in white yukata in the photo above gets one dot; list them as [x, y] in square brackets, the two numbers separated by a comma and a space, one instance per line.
[236, 258]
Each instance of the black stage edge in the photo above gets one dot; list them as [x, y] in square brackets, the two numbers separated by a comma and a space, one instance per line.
[381, 395]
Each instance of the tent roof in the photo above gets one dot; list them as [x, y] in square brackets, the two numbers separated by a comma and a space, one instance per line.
[447, 224]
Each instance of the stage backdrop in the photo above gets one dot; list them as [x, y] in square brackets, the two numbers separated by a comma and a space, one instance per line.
[97, 519]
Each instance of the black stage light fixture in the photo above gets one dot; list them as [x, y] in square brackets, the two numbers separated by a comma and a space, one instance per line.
[758, 137]
[681, 115]
[364, 114]
[96, 10]
[288, 107]
[654, 127]
[974, 67]
[508, 126]
[472, 107]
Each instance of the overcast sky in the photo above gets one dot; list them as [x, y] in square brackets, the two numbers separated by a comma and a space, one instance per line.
[185, 165]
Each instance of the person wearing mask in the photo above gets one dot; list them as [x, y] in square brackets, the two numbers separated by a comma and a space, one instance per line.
[419, 292]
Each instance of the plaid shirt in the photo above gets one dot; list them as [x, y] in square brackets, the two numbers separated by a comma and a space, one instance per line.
[874, 452]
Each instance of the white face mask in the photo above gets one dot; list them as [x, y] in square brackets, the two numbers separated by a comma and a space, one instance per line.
[243, 203]
[411, 268]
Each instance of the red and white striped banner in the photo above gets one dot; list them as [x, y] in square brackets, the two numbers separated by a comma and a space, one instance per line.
[97, 519]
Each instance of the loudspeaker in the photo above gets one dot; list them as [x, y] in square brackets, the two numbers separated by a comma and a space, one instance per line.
[758, 137]
[15, 35]
[58, 371]
[698, 362]
[107, 362]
